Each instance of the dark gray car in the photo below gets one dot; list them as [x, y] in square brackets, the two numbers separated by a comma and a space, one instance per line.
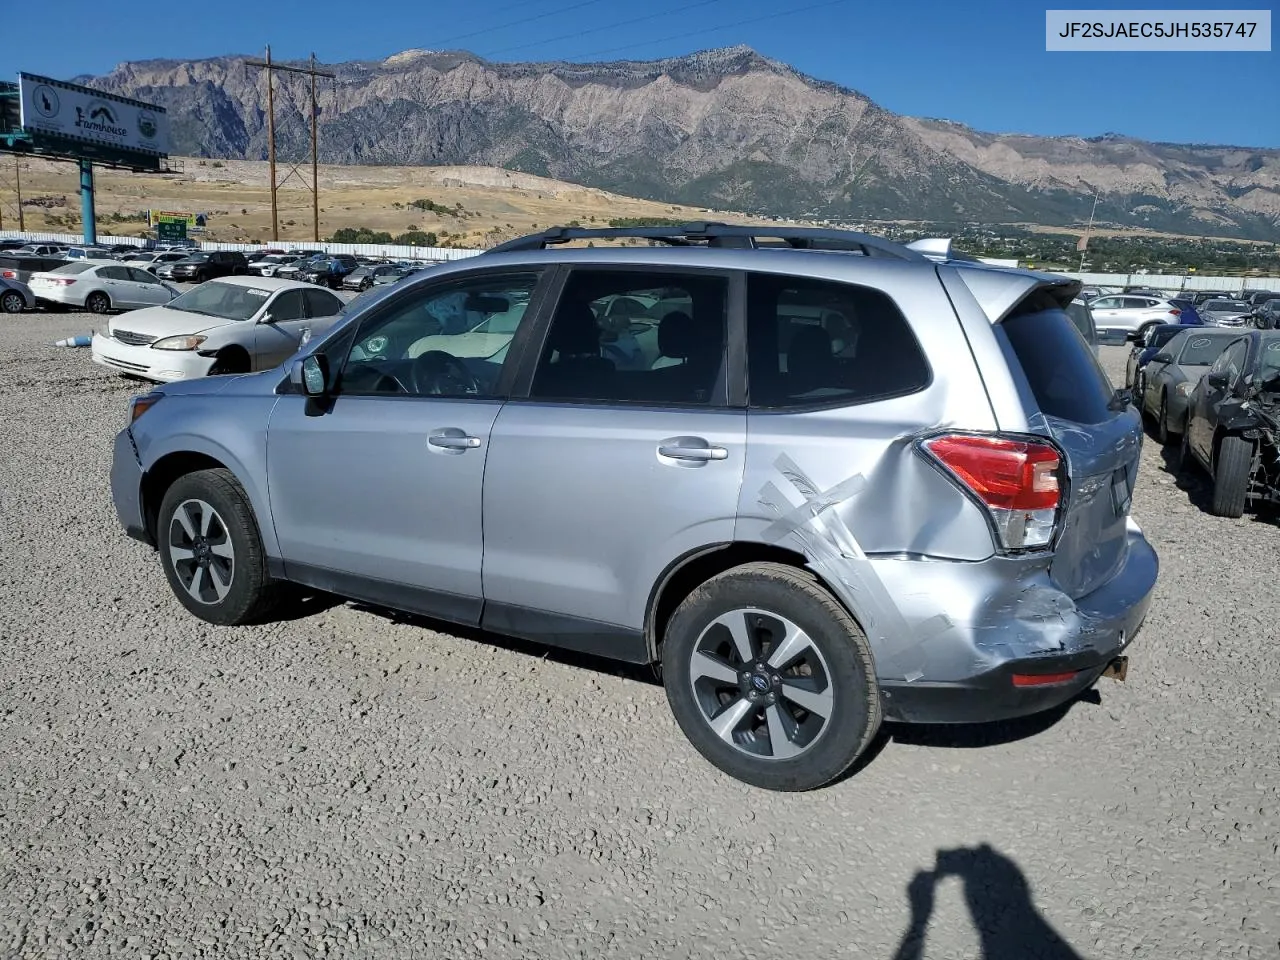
[817, 477]
[15, 296]
[1172, 374]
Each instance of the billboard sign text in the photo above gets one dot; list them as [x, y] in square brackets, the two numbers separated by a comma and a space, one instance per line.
[70, 112]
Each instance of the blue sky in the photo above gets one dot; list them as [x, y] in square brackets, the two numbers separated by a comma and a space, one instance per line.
[980, 62]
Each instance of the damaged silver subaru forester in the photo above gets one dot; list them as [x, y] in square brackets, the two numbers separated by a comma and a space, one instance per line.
[818, 478]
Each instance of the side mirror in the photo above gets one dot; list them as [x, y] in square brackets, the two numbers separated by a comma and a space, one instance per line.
[1218, 380]
[311, 375]
[1162, 358]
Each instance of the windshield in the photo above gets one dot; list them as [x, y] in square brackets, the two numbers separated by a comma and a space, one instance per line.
[74, 268]
[1225, 306]
[232, 301]
[1202, 350]
[1269, 361]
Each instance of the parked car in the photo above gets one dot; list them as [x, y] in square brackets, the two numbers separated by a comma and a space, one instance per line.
[268, 265]
[1146, 346]
[1128, 313]
[152, 262]
[293, 271]
[1204, 296]
[1090, 293]
[15, 296]
[1233, 424]
[1172, 374]
[20, 266]
[1189, 316]
[1226, 313]
[44, 250]
[12, 243]
[1267, 316]
[843, 559]
[394, 275]
[231, 325]
[88, 253]
[126, 251]
[329, 271]
[1080, 314]
[362, 278]
[100, 286]
[1257, 298]
[208, 265]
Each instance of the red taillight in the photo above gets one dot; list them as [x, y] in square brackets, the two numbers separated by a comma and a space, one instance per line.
[9, 274]
[1176, 312]
[1042, 679]
[1017, 481]
[61, 281]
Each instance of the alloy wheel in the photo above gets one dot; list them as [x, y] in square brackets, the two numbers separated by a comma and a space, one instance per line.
[201, 551]
[761, 684]
[12, 302]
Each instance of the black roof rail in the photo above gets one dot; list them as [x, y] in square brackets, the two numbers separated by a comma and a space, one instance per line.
[714, 234]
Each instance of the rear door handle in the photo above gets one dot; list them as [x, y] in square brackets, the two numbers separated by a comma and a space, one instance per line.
[691, 448]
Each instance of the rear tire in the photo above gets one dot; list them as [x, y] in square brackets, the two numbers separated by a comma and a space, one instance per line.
[1145, 329]
[1231, 477]
[755, 711]
[97, 302]
[226, 364]
[211, 551]
[12, 302]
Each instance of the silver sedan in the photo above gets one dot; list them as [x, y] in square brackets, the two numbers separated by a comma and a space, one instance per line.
[1173, 373]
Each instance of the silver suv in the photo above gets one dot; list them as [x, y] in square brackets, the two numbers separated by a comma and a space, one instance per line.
[816, 478]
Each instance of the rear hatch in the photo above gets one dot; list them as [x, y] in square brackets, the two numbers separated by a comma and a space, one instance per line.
[1100, 435]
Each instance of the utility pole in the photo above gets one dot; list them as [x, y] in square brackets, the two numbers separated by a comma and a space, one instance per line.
[1088, 231]
[271, 138]
[17, 189]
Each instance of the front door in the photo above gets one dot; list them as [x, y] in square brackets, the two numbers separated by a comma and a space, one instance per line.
[376, 493]
[1202, 420]
[150, 291]
[122, 291]
[606, 473]
[279, 330]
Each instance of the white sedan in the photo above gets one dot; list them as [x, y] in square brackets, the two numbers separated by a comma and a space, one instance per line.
[232, 325]
[150, 262]
[100, 286]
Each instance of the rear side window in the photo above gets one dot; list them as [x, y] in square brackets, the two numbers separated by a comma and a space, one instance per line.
[1065, 377]
[818, 342]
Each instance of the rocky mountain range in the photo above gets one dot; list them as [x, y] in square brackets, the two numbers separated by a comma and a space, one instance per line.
[726, 128]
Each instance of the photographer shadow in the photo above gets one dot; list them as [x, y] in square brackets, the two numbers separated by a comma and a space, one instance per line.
[1008, 924]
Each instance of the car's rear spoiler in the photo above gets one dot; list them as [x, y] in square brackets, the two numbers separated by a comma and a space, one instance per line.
[1000, 290]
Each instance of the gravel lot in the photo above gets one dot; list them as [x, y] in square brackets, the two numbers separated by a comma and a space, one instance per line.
[347, 785]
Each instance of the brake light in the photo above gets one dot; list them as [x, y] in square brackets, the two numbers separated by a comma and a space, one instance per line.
[9, 274]
[60, 281]
[1175, 311]
[1018, 481]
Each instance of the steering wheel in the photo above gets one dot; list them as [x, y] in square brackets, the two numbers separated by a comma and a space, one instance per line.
[435, 368]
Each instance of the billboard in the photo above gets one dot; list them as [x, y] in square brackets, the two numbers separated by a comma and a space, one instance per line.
[193, 222]
[73, 115]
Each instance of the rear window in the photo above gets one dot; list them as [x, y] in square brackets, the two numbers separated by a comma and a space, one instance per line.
[818, 342]
[1200, 351]
[1064, 375]
[74, 268]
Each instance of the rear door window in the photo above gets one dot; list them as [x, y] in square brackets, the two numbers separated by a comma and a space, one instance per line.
[1064, 375]
[819, 342]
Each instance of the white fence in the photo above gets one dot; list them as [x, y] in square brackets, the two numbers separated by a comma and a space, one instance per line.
[390, 250]
[1172, 283]
[1166, 282]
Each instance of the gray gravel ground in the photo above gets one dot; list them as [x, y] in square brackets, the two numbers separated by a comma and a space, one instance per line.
[346, 785]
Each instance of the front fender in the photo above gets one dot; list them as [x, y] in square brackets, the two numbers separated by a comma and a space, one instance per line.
[231, 431]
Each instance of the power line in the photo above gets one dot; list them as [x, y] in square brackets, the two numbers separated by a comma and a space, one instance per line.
[607, 26]
[697, 33]
[440, 44]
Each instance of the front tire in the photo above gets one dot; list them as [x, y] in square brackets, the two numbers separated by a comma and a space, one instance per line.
[97, 302]
[12, 302]
[1231, 477]
[770, 678]
[211, 552]
[1163, 433]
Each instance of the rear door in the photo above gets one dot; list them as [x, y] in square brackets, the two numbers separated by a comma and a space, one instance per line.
[1100, 436]
[599, 476]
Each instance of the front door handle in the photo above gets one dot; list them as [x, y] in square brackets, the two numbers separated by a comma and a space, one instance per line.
[691, 448]
[453, 439]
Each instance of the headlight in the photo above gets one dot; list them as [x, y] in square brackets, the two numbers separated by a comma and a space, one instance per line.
[1184, 388]
[179, 343]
